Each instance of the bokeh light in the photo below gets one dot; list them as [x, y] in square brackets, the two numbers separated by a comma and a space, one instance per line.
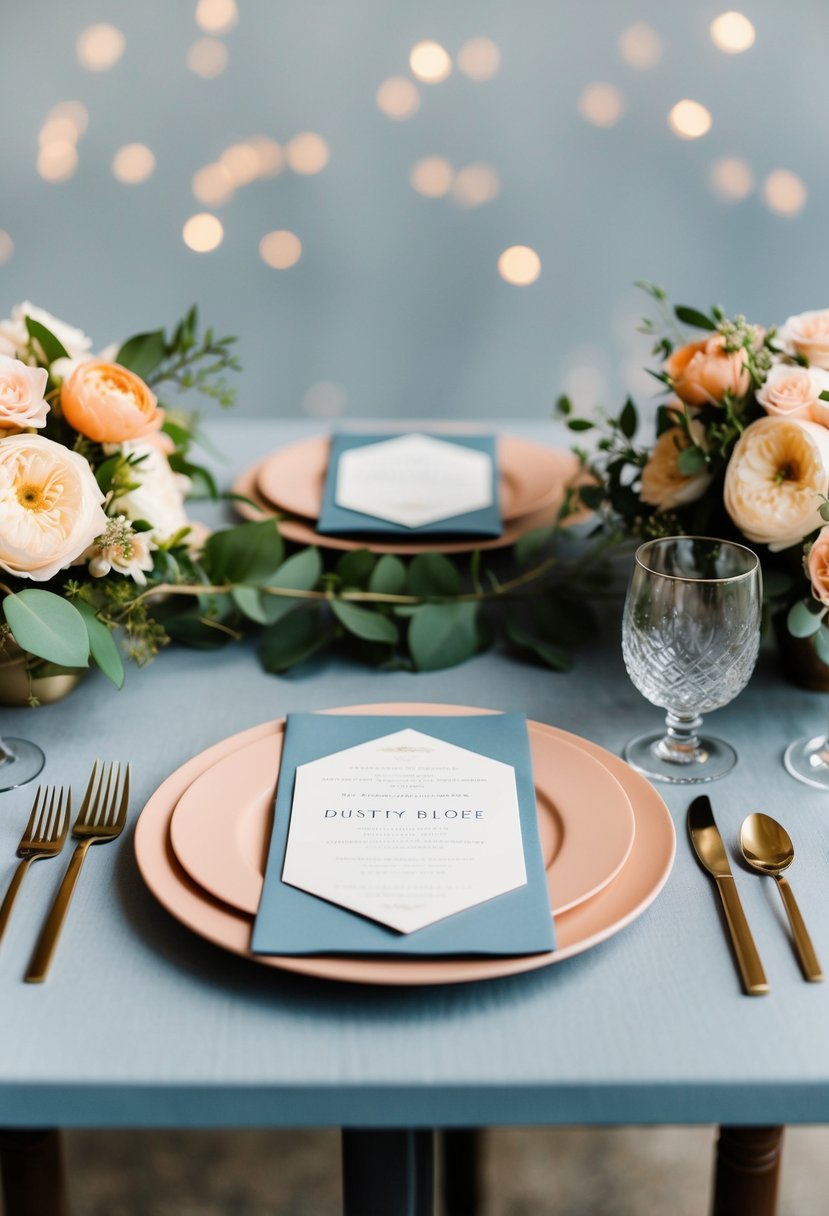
[732, 32]
[74, 112]
[99, 47]
[307, 153]
[640, 46]
[475, 185]
[207, 58]
[203, 232]
[784, 192]
[689, 119]
[241, 163]
[57, 161]
[6, 247]
[731, 179]
[280, 249]
[133, 163]
[398, 97]
[430, 62]
[216, 16]
[57, 129]
[480, 59]
[519, 265]
[431, 176]
[602, 104]
[212, 185]
[269, 155]
[325, 399]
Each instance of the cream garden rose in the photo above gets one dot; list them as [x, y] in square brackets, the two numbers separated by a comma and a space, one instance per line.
[159, 494]
[14, 336]
[794, 392]
[50, 507]
[22, 395]
[807, 334]
[775, 480]
[663, 485]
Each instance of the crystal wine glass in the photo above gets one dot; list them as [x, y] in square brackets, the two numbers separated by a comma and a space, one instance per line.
[808, 761]
[690, 637]
[20, 761]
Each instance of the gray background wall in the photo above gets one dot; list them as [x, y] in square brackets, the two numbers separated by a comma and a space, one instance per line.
[396, 306]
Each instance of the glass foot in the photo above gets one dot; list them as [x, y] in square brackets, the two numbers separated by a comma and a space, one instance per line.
[21, 762]
[808, 761]
[711, 760]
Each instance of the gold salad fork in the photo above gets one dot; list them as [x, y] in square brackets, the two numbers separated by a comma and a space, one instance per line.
[43, 837]
[101, 818]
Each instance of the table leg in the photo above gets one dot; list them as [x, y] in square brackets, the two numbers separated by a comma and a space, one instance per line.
[461, 1171]
[31, 1163]
[388, 1172]
[747, 1171]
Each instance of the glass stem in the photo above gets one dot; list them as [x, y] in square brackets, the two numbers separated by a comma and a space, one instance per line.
[681, 742]
[6, 754]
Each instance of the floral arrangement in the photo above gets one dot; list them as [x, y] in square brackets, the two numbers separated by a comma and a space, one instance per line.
[741, 450]
[93, 474]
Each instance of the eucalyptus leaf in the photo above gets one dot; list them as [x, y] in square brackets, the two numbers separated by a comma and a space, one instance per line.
[433, 574]
[355, 568]
[293, 640]
[824, 510]
[691, 460]
[388, 577]
[143, 353]
[580, 424]
[301, 572]
[364, 623]
[52, 347]
[822, 645]
[250, 602]
[48, 626]
[552, 655]
[443, 635]
[628, 420]
[249, 553]
[530, 544]
[801, 622]
[102, 644]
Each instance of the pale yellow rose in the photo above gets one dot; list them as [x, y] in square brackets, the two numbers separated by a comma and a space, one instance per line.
[703, 372]
[807, 334]
[794, 392]
[663, 485]
[777, 473]
[817, 567]
[50, 507]
[22, 400]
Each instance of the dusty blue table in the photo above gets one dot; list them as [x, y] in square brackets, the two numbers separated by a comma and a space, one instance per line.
[650, 1027]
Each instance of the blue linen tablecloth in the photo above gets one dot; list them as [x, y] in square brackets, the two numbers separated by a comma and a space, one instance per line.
[648, 1027]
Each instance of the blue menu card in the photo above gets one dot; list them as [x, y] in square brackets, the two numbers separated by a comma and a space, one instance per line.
[338, 518]
[293, 921]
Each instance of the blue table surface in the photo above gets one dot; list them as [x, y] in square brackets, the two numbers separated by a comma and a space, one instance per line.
[142, 1023]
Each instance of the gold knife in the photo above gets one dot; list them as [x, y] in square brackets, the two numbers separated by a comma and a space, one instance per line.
[709, 848]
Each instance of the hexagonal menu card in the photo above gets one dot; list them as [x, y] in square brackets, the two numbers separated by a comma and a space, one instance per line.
[411, 484]
[405, 835]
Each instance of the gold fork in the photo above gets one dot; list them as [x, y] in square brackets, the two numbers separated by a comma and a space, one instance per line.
[101, 818]
[43, 837]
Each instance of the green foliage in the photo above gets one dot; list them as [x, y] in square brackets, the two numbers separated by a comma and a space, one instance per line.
[804, 620]
[249, 553]
[388, 577]
[442, 635]
[364, 623]
[692, 316]
[48, 626]
[433, 574]
[102, 644]
[355, 567]
[293, 640]
[144, 353]
[49, 345]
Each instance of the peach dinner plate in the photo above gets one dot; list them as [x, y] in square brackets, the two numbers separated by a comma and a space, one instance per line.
[302, 531]
[221, 827]
[637, 885]
[531, 476]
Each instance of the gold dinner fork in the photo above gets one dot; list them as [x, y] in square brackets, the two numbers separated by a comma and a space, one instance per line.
[101, 818]
[43, 837]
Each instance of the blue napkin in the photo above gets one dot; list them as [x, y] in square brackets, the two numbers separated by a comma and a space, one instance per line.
[335, 520]
[293, 922]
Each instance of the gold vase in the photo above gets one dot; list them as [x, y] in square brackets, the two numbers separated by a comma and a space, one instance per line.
[20, 682]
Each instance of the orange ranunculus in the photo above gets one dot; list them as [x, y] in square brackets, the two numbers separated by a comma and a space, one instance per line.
[703, 372]
[109, 403]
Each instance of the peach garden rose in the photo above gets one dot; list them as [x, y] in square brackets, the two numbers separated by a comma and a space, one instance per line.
[108, 403]
[22, 395]
[807, 334]
[663, 485]
[703, 372]
[817, 566]
[50, 507]
[794, 392]
[775, 480]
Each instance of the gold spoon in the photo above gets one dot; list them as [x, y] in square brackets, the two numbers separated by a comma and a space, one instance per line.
[767, 847]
